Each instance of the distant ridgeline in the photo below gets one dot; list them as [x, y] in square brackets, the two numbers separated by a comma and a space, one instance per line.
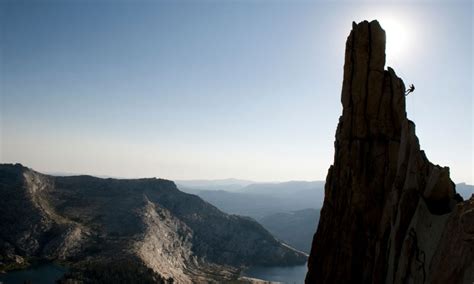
[143, 230]
[389, 214]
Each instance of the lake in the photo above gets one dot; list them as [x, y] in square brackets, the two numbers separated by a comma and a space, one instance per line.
[288, 274]
[45, 273]
[48, 273]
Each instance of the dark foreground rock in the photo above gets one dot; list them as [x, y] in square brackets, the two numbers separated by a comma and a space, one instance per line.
[96, 225]
[389, 214]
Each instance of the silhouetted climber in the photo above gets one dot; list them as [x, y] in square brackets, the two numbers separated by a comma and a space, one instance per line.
[410, 90]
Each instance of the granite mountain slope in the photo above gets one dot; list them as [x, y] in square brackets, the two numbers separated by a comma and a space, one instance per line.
[92, 222]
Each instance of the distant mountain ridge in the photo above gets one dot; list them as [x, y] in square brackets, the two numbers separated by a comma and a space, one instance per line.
[261, 199]
[289, 210]
[108, 222]
[294, 228]
[216, 182]
[465, 190]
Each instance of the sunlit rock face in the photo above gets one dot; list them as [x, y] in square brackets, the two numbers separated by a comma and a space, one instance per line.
[389, 214]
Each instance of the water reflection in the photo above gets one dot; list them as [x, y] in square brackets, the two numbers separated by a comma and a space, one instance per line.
[46, 273]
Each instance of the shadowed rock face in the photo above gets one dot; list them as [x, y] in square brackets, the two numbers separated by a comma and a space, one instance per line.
[389, 215]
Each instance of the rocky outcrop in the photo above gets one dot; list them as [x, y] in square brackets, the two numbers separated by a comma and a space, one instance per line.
[389, 215]
[96, 225]
[29, 225]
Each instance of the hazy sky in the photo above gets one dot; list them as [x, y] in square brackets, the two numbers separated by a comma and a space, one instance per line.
[217, 89]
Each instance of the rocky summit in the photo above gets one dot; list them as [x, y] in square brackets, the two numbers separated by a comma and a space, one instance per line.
[126, 231]
[389, 214]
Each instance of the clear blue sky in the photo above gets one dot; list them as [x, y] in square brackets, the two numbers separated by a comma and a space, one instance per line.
[217, 89]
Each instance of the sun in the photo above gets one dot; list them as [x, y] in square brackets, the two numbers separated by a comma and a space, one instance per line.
[399, 35]
[398, 38]
[400, 25]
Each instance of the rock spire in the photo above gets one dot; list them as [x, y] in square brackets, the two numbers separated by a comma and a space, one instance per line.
[389, 214]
